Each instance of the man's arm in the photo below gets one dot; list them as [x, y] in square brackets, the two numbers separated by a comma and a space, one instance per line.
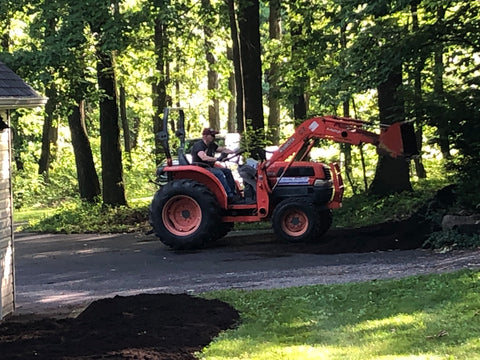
[222, 149]
[203, 155]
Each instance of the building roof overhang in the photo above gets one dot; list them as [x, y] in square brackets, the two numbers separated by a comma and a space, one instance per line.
[15, 93]
[9, 103]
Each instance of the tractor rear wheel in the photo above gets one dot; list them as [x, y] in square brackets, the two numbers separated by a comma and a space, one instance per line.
[185, 214]
[298, 220]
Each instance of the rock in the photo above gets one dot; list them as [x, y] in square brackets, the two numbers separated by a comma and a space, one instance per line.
[464, 224]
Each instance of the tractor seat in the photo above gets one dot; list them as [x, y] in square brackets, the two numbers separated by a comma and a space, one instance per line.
[182, 160]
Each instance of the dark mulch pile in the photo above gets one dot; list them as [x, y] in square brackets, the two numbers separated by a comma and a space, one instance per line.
[146, 326]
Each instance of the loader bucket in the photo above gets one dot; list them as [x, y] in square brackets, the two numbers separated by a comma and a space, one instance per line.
[398, 140]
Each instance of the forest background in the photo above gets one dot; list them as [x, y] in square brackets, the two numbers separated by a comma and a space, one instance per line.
[110, 67]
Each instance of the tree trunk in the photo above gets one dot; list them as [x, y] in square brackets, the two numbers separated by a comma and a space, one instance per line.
[19, 143]
[159, 87]
[419, 63]
[135, 131]
[123, 116]
[232, 122]
[112, 168]
[438, 89]
[249, 25]
[391, 175]
[300, 108]
[88, 183]
[5, 36]
[300, 105]
[237, 65]
[49, 130]
[212, 75]
[275, 30]
[127, 144]
[346, 149]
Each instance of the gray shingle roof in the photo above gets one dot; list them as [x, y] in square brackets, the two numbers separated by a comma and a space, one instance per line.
[15, 93]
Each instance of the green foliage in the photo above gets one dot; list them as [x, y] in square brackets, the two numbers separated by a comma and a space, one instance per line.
[364, 209]
[466, 109]
[452, 239]
[253, 141]
[82, 217]
[31, 189]
[139, 174]
[421, 317]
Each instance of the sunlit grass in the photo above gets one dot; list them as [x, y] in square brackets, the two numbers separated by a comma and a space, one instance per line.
[76, 216]
[423, 317]
[28, 215]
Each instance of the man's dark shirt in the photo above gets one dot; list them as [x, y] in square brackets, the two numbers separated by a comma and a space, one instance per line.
[201, 146]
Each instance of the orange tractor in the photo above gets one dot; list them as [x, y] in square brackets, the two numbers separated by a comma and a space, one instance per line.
[295, 194]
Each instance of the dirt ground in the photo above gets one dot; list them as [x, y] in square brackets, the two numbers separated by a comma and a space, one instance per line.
[146, 326]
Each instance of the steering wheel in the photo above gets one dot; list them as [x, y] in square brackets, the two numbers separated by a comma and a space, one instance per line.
[228, 157]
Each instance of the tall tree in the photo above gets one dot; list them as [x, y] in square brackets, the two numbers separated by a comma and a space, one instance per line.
[159, 86]
[249, 26]
[50, 130]
[438, 89]
[212, 74]
[346, 149]
[376, 61]
[122, 96]
[50, 124]
[112, 168]
[88, 184]
[275, 34]
[391, 175]
[232, 103]
[417, 95]
[238, 67]
[300, 104]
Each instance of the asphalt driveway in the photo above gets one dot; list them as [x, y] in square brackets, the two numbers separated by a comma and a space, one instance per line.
[61, 274]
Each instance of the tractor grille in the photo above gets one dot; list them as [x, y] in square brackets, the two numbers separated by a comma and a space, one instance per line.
[296, 171]
[328, 174]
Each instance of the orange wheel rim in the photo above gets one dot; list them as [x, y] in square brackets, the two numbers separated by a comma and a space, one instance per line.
[294, 223]
[182, 215]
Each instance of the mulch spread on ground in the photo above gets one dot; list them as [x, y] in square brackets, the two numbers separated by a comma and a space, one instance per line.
[146, 326]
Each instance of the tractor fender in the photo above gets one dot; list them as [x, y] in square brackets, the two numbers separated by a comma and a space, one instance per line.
[201, 175]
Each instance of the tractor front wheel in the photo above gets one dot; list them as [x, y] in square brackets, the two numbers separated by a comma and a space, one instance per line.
[298, 220]
[185, 214]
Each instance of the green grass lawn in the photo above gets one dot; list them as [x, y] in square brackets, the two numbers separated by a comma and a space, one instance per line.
[27, 215]
[423, 317]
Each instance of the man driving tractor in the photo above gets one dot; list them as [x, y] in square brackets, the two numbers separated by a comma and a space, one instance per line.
[203, 152]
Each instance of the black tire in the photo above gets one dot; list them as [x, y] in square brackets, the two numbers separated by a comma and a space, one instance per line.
[324, 222]
[299, 220]
[185, 214]
[222, 230]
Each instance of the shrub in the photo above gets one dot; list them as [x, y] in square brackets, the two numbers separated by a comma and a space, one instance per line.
[452, 239]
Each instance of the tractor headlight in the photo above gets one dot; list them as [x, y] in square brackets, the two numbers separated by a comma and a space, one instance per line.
[322, 183]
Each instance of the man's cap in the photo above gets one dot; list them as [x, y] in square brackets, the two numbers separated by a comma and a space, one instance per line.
[209, 131]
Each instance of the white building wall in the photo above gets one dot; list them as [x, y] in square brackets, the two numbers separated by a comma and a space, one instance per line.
[7, 301]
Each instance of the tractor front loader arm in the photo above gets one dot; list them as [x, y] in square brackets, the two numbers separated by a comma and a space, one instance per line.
[396, 140]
